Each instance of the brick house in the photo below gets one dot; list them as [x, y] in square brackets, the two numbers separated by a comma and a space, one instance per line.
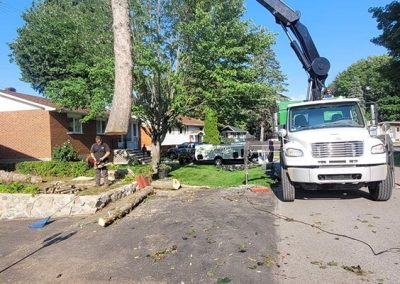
[31, 126]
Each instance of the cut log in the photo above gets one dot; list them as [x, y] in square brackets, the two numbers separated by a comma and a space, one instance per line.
[13, 176]
[166, 184]
[133, 201]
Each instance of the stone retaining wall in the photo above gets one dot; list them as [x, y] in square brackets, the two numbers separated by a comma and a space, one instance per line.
[57, 205]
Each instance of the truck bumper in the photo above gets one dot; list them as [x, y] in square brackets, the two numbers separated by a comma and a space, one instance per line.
[338, 174]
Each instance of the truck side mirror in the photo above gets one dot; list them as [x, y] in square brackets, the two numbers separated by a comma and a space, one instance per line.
[374, 115]
[282, 133]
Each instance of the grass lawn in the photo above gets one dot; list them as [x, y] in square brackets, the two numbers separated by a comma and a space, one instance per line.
[206, 175]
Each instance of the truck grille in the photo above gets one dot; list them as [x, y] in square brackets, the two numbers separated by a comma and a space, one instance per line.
[337, 149]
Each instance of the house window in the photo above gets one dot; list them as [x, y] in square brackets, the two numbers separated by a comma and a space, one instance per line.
[170, 130]
[100, 126]
[74, 124]
[181, 130]
[398, 129]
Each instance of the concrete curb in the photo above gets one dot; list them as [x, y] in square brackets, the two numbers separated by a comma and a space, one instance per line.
[14, 206]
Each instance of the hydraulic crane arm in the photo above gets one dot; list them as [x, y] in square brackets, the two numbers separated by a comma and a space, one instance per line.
[316, 66]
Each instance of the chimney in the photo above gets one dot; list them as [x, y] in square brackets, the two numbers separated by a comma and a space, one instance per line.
[11, 89]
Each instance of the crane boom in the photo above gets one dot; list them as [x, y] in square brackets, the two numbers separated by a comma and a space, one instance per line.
[316, 66]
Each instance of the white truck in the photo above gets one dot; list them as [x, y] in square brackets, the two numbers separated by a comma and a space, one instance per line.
[326, 143]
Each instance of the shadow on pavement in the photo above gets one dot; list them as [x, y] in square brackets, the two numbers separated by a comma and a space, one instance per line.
[54, 239]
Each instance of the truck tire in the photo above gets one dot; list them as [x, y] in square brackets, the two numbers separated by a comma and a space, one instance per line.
[382, 191]
[218, 161]
[288, 189]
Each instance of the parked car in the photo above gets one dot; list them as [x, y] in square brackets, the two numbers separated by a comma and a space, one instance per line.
[186, 149]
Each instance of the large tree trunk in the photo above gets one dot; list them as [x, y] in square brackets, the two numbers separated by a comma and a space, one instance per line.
[155, 155]
[132, 202]
[118, 121]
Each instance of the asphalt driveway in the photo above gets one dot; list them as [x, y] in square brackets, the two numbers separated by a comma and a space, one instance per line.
[187, 236]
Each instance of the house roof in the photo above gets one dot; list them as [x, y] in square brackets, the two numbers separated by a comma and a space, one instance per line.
[35, 100]
[191, 121]
[230, 128]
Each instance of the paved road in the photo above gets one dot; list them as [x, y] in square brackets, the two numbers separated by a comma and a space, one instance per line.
[358, 240]
[200, 236]
[189, 236]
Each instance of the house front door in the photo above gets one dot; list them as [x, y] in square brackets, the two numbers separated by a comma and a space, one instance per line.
[130, 141]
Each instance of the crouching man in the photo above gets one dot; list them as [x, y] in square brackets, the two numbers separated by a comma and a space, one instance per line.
[99, 153]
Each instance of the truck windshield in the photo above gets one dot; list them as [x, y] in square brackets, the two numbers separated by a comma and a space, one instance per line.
[325, 116]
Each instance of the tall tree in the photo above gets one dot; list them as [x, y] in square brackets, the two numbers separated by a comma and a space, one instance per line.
[388, 19]
[159, 99]
[223, 55]
[65, 51]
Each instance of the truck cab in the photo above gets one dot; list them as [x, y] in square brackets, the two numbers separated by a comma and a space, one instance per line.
[326, 144]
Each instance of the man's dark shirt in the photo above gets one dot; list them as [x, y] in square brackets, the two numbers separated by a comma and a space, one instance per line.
[99, 150]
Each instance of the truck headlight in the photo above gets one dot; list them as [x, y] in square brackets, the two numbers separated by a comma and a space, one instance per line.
[378, 149]
[292, 152]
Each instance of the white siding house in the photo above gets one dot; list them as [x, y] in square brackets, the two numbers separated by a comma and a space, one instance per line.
[191, 131]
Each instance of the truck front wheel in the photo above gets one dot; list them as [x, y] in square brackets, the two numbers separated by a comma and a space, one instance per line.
[382, 191]
[288, 189]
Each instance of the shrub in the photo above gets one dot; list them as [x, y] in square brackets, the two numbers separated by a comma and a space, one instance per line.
[17, 187]
[65, 153]
[54, 168]
[142, 170]
[139, 170]
[211, 133]
[165, 167]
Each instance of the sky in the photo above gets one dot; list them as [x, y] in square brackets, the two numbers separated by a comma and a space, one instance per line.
[341, 30]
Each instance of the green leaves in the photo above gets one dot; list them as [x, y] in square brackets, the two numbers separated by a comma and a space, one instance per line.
[368, 80]
[61, 49]
[388, 21]
[226, 60]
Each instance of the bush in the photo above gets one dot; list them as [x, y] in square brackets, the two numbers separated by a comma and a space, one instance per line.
[17, 187]
[65, 153]
[54, 168]
[139, 170]
[211, 133]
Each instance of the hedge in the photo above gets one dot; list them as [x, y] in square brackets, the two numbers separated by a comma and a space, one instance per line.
[54, 168]
[17, 187]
